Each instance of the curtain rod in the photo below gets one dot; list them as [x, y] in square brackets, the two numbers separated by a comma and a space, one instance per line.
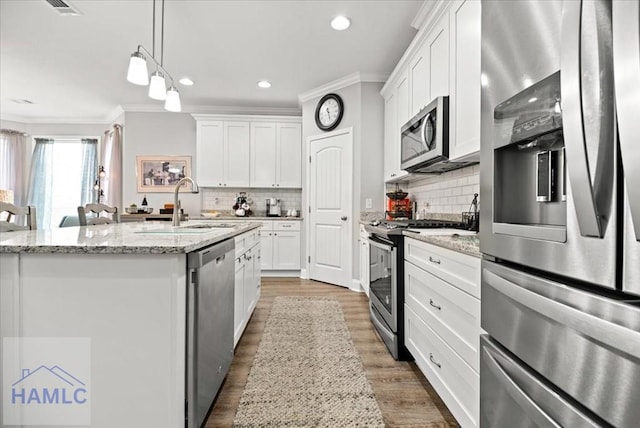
[13, 132]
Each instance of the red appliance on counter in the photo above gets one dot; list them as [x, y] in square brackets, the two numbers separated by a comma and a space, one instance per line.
[398, 205]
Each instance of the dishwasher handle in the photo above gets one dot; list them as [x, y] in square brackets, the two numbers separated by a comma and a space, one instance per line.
[197, 259]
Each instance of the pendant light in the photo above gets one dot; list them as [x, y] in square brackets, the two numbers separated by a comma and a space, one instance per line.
[173, 100]
[139, 75]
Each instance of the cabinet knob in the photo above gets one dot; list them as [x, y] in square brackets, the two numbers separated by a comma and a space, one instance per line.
[343, 218]
[277, 185]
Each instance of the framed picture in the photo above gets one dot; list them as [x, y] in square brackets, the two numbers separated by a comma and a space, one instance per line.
[161, 173]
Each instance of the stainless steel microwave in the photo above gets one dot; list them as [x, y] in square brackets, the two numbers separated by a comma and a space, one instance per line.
[424, 143]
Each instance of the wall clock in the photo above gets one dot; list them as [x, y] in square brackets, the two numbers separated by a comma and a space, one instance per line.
[329, 112]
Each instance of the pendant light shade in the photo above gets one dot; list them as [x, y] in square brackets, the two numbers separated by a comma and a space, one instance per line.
[157, 87]
[172, 102]
[137, 73]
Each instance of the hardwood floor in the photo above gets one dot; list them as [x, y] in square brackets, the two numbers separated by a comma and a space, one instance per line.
[405, 397]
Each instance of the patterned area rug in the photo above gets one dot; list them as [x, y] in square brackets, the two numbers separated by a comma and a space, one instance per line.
[307, 372]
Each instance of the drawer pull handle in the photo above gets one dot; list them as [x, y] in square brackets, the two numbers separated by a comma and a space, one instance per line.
[434, 361]
[434, 305]
[432, 260]
[286, 225]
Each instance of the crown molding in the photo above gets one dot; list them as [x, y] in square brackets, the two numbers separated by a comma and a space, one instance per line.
[198, 109]
[343, 82]
[247, 117]
[57, 120]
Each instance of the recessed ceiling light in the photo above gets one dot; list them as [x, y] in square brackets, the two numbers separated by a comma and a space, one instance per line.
[186, 81]
[264, 84]
[340, 23]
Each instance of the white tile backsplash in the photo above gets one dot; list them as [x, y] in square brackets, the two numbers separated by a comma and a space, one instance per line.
[448, 193]
[214, 198]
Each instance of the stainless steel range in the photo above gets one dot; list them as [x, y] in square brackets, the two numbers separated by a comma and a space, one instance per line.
[386, 277]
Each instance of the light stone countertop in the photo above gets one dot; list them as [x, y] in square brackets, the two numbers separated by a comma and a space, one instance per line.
[467, 244]
[464, 243]
[121, 238]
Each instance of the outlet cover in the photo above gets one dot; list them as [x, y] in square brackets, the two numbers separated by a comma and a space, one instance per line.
[368, 203]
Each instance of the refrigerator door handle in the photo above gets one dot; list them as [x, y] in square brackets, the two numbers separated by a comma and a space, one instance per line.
[508, 373]
[626, 54]
[606, 332]
[587, 110]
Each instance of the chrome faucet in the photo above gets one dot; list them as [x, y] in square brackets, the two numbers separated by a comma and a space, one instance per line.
[176, 202]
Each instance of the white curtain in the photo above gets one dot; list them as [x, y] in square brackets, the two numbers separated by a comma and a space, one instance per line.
[13, 149]
[41, 181]
[111, 158]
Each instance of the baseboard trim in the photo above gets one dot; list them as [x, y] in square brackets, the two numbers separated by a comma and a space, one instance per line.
[283, 273]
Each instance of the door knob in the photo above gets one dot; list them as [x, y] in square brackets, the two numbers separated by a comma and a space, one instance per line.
[343, 218]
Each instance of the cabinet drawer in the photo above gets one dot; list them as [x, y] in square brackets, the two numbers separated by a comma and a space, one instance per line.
[286, 225]
[453, 267]
[267, 225]
[451, 313]
[454, 380]
[245, 241]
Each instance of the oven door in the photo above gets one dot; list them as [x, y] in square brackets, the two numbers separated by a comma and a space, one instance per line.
[383, 279]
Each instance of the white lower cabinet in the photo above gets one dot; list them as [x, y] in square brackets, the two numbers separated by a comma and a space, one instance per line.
[442, 323]
[247, 281]
[280, 243]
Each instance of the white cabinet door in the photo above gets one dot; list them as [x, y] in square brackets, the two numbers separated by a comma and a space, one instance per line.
[402, 94]
[364, 264]
[210, 153]
[266, 245]
[419, 78]
[286, 250]
[236, 158]
[391, 137]
[289, 155]
[250, 296]
[437, 51]
[263, 154]
[464, 107]
[238, 303]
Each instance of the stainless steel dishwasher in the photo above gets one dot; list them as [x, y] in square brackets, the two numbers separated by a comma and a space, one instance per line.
[209, 326]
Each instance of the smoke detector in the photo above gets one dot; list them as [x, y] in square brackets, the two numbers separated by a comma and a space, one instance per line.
[64, 8]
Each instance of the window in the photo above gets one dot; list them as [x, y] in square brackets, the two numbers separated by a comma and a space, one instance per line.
[63, 172]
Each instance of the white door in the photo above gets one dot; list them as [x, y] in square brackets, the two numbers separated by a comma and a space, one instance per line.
[237, 137]
[330, 200]
[289, 162]
[263, 154]
[286, 250]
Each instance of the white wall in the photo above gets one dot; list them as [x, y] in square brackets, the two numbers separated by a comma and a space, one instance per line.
[171, 134]
[364, 112]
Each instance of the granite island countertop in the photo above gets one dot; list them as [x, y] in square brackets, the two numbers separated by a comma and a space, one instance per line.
[249, 218]
[121, 238]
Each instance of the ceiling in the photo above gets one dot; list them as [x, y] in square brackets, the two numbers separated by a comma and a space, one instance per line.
[74, 67]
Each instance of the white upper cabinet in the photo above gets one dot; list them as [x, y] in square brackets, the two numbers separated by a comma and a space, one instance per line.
[396, 114]
[210, 153]
[437, 50]
[263, 154]
[464, 21]
[289, 155]
[419, 75]
[276, 154]
[249, 151]
[222, 151]
[236, 154]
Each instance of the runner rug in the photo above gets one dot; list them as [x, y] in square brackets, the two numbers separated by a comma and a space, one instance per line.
[306, 371]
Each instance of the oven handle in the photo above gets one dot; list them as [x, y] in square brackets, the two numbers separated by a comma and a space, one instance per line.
[382, 243]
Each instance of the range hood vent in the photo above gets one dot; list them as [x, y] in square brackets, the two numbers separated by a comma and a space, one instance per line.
[63, 7]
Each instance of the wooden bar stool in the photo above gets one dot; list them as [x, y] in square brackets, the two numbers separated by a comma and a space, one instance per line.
[97, 209]
[12, 210]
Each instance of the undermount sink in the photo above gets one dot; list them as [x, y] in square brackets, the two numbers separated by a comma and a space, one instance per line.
[208, 226]
[189, 229]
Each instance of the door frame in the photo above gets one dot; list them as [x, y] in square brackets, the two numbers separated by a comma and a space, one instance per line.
[350, 225]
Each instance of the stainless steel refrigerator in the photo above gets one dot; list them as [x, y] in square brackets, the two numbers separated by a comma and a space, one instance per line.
[560, 213]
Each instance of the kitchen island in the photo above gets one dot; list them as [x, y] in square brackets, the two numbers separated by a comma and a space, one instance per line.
[122, 289]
